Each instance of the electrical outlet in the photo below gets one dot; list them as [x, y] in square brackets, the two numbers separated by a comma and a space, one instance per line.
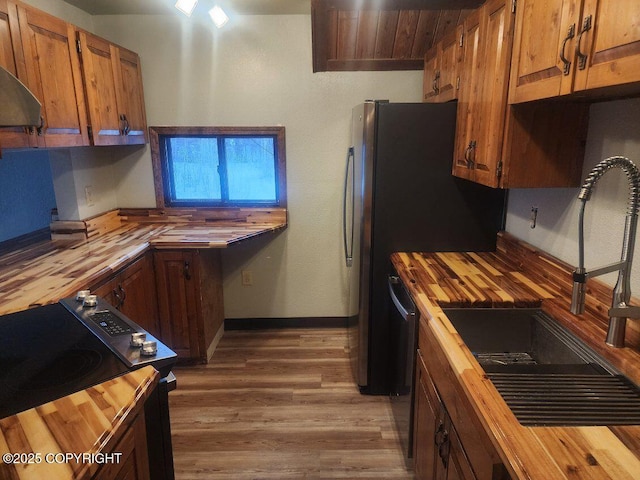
[247, 278]
[88, 194]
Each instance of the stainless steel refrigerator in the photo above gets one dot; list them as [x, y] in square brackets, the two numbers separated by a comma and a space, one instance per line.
[400, 195]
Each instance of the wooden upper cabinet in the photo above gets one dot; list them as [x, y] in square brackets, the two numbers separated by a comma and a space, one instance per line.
[496, 42]
[568, 46]
[53, 75]
[483, 97]
[544, 49]
[102, 84]
[441, 66]
[610, 48]
[470, 85]
[12, 60]
[535, 144]
[98, 67]
[131, 96]
[113, 87]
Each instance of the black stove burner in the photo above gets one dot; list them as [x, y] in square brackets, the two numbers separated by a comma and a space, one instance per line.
[46, 353]
[71, 366]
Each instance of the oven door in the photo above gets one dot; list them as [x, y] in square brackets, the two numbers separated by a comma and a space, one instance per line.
[403, 321]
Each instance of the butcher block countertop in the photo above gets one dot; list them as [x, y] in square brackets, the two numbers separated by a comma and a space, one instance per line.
[519, 275]
[46, 271]
[90, 422]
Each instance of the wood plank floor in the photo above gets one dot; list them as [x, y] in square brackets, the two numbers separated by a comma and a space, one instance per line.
[281, 404]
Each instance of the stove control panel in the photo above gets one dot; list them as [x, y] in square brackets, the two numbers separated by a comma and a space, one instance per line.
[110, 323]
[129, 341]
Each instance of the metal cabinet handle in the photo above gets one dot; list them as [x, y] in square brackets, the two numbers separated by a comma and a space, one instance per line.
[119, 300]
[582, 57]
[444, 448]
[467, 154]
[123, 292]
[40, 128]
[187, 270]
[567, 63]
[438, 438]
[436, 81]
[125, 125]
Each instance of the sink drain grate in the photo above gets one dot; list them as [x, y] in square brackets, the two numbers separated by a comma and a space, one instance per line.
[506, 358]
[569, 400]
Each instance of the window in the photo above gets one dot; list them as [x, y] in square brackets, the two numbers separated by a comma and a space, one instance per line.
[219, 167]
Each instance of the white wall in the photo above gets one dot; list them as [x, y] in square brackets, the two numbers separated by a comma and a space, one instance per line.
[259, 72]
[614, 129]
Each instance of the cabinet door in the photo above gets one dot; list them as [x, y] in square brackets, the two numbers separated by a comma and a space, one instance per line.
[100, 85]
[470, 85]
[458, 465]
[489, 117]
[134, 460]
[431, 76]
[136, 289]
[611, 43]
[449, 57]
[53, 74]
[178, 303]
[543, 63]
[12, 60]
[425, 417]
[131, 96]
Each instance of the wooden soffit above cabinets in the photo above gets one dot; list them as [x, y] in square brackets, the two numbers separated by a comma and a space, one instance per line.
[353, 35]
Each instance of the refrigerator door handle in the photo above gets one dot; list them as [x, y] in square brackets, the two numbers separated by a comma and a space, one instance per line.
[406, 313]
[348, 249]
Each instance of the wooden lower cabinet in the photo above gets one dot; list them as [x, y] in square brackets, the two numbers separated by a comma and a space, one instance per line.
[190, 303]
[133, 292]
[426, 416]
[134, 462]
[438, 452]
[449, 441]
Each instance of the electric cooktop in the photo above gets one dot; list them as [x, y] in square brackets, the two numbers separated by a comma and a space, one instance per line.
[52, 351]
[47, 353]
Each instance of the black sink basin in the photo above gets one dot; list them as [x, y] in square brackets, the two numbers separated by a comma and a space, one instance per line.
[522, 341]
[545, 374]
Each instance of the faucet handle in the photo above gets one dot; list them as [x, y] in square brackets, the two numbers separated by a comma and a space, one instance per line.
[624, 310]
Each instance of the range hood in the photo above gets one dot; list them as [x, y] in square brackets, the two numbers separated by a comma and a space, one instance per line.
[18, 106]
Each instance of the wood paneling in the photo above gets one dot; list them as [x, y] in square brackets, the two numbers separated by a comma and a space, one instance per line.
[392, 35]
[281, 404]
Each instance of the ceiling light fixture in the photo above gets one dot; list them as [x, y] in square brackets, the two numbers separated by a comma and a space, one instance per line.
[186, 6]
[218, 16]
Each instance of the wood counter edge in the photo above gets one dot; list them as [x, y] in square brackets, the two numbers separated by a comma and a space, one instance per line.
[139, 383]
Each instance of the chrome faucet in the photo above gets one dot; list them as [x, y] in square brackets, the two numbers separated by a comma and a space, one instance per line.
[620, 310]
